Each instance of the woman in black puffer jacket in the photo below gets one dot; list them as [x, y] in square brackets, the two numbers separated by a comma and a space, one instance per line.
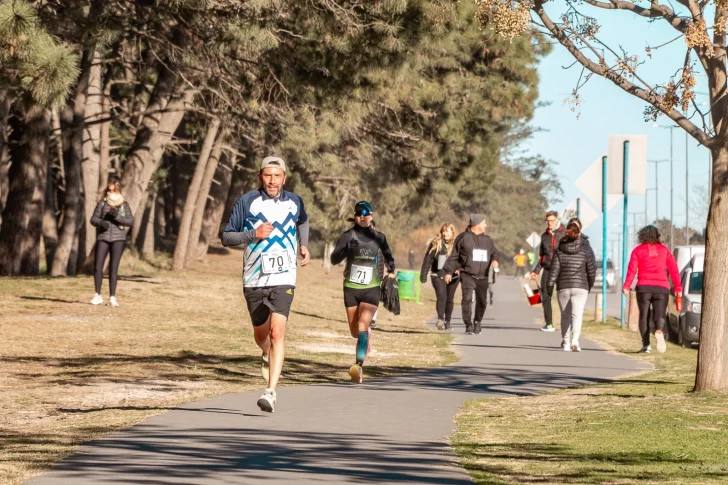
[112, 218]
[573, 270]
[437, 253]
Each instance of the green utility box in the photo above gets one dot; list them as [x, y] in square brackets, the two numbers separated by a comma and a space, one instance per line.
[409, 285]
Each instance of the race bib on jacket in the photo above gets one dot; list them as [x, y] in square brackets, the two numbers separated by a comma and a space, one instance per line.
[480, 255]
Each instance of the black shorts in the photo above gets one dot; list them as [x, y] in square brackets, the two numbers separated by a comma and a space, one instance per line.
[354, 296]
[266, 300]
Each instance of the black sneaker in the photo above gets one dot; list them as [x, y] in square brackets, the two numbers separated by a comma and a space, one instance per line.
[477, 329]
[468, 330]
[373, 324]
[448, 326]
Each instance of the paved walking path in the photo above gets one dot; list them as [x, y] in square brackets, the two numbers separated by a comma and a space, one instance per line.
[386, 431]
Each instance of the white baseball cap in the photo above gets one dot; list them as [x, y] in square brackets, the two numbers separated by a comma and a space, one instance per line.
[273, 162]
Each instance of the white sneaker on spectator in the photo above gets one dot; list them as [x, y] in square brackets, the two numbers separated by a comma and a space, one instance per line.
[113, 302]
[97, 299]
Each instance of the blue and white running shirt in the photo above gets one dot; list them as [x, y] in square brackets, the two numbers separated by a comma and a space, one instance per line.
[270, 261]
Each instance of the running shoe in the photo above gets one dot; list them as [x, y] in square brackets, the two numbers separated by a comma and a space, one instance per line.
[113, 302]
[575, 347]
[565, 346]
[468, 330]
[549, 327]
[448, 326]
[265, 368]
[267, 401]
[440, 325]
[97, 299]
[645, 350]
[373, 325]
[477, 329]
[661, 345]
[356, 373]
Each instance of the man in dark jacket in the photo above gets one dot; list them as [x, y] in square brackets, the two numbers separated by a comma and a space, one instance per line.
[473, 254]
[549, 242]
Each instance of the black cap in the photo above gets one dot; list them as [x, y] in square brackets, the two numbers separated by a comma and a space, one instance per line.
[363, 208]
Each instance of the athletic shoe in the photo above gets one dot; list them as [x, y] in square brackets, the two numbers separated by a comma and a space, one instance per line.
[440, 325]
[645, 350]
[477, 328]
[575, 347]
[565, 346]
[661, 345]
[373, 325]
[265, 369]
[97, 299]
[468, 330]
[548, 328]
[448, 326]
[113, 302]
[356, 373]
[267, 401]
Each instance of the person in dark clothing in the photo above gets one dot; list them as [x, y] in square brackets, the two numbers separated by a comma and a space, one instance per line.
[573, 270]
[436, 255]
[473, 254]
[549, 242]
[651, 262]
[584, 238]
[360, 247]
[112, 218]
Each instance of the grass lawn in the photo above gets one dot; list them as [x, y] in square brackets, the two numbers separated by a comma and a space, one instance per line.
[648, 428]
[70, 371]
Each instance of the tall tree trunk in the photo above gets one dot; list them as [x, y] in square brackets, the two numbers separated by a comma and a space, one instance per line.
[242, 182]
[74, 123]
[712, 371]
[72, 207]
[22, 227]
[4, 150]
[163, 115]
[50, 224]
[193, 253]
[148, 235]
[159, 218]
[216, 202]
[180, 249]
[93, 113]
[105, 147]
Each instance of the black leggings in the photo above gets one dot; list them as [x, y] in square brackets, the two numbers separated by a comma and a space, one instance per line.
[659, 310]
[102, 249]
[445, 296]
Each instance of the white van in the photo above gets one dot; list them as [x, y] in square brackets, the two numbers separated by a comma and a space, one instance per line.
[685, 254]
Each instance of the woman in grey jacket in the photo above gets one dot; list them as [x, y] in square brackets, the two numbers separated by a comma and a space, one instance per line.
[112, 218]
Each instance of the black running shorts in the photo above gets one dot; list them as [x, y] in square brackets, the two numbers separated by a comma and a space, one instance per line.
[266, 300]
[354, 296]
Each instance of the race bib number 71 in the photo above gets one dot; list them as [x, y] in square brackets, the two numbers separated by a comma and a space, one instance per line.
[275, 262]
[361, 274]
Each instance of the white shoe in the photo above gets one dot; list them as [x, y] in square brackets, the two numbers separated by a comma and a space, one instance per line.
[267, 401]
[565, 346]
[661, 345]
[645, 350]
[97, 299]
[113, 302]
[575, 347]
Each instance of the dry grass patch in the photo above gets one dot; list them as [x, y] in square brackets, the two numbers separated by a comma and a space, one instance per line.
[70, 371]
[641, 429]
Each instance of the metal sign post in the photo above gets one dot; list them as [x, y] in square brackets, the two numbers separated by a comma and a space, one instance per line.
[604, 239]
[625, 215]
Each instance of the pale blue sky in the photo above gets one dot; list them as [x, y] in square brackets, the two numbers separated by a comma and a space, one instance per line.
[576, 142]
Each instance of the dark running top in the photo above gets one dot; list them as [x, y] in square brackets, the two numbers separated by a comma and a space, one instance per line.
[360, 247]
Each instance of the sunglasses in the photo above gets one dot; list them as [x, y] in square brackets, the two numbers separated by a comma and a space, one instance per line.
[362, 212]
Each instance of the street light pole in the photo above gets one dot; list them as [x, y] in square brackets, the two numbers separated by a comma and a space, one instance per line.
[657, 211]
[672, 187]
[687, 195]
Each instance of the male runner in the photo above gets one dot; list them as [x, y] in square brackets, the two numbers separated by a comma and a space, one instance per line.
[270, 222]
[473, 255]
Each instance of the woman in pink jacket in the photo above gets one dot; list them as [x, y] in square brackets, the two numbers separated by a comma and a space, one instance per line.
[651, 262]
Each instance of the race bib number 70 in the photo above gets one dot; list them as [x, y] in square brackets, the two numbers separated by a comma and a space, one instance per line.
[275, 262]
